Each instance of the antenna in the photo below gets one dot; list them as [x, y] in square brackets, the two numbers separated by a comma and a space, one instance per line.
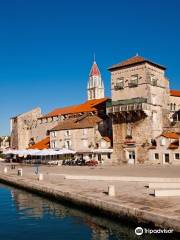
[94, 56]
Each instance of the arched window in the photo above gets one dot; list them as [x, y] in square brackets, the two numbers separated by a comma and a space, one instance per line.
[174, 107]
[153, 142]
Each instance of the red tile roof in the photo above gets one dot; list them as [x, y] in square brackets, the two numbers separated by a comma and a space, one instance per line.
[43, 144]
[94, 70]
[172, 135]
[134, 61]
[174, 145]
[88, 106]
[175, 93]
[78, 123]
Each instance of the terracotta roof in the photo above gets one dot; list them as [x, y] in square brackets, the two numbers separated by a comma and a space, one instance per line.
[43, 144]
[94, 70]
[172, 135]
[174, 145]
[77, 123]
[175, 93]
[134, 61]
[88, 106]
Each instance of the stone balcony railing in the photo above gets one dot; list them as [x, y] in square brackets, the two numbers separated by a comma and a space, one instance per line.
[128, 105]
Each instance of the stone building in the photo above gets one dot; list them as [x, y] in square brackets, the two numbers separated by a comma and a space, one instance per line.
[85, 134]
[141, 108]
[166, 149]
[24, 129]
[32, 129]
[4, 143]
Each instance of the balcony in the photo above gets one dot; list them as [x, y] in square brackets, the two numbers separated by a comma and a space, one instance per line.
[128, 105]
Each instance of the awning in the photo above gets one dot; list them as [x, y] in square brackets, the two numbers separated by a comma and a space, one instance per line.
[103, 150]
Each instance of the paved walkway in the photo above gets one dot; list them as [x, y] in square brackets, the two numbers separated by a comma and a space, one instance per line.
[130, 194]
[124, 170]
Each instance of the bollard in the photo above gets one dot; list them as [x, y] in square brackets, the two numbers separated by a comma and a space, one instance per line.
[40, 177]
[19, 173]
[5, 170]
[13, 166]
[111, 190]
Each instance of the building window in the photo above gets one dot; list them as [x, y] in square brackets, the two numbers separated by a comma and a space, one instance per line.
[119, 84]
[177, 156]
[153, 142]
[156, 156]
[132, 155]
[171, 106]
[54, 144]
[53, 134]
[67, 144]
[67, 133]
[153, 80]
[85, 132]
[134, 81]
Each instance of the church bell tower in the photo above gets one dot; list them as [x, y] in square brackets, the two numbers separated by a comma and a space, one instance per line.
[95, 87]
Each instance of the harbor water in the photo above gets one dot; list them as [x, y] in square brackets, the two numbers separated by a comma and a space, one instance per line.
[26, 216]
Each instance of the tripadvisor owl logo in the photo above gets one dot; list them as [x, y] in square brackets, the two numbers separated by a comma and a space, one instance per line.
[139, 231]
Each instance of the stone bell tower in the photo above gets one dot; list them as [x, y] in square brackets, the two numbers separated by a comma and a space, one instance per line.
[95, 87]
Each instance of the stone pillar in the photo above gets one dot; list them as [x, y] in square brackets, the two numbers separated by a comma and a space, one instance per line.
[19, 173]
[40, 177]
[111, 190]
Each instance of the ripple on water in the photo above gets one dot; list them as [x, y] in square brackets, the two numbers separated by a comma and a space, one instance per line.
[24, 216]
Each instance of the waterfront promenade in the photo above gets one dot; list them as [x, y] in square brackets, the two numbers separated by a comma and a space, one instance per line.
[133, 199]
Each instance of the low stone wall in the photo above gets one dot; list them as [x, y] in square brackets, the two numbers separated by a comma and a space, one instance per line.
[102, 206]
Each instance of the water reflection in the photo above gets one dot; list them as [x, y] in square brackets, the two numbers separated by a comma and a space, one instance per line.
[29, 206]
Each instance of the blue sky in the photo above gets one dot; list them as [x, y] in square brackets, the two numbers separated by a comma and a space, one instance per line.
[46, 47]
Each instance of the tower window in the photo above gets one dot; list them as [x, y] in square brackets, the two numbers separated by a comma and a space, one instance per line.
[153, 80]
[134, 81]
[119, 84]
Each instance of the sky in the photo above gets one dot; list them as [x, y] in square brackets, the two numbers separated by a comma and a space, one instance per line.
[47, 46]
